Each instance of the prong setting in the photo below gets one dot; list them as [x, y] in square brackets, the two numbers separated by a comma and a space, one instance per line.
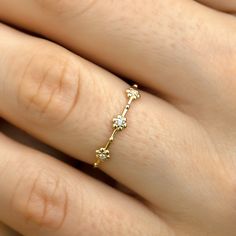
[133, 93]
[103, 154]
[119, 122]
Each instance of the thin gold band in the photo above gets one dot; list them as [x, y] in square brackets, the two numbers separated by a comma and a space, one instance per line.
[119, 123]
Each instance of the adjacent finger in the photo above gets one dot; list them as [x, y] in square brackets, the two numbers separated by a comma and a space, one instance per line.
[69, 103]
[227, 6]
[139, 41]
[43, 196]
[6, 231]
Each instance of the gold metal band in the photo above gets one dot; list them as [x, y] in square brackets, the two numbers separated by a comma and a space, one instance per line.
[119, 123]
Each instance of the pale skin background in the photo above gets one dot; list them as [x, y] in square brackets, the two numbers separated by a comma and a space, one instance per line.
[175, 164]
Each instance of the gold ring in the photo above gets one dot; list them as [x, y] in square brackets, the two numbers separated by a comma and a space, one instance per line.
[119, 123]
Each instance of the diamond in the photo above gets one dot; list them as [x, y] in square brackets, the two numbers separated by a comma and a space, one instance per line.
[103, 154]
[119, 122]
[133, 93]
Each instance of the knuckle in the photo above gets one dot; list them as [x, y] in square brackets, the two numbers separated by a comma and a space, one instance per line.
[49, 88]
[43, 201]
[65, 7]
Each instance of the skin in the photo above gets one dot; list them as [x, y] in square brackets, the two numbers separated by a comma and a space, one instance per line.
[177, 154]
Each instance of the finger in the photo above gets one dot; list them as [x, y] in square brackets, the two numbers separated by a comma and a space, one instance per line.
[227, 6]
[6, 231]
[139, 41]
[143, 151]
[28, 140]
[147, 156]
[43, 196]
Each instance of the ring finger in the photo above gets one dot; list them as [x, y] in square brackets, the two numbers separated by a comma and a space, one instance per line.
[69, 103]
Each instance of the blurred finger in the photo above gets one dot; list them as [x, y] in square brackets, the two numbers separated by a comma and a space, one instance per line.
[227, 6]
[6, 231]
[44, 197]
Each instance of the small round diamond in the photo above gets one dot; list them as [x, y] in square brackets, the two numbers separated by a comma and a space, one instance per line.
[119, 122]
[103, 154]
[131, 92]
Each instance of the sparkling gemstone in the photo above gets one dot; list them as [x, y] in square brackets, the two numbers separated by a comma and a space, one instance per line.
[119, 122]
[103, 154]
[131, 92]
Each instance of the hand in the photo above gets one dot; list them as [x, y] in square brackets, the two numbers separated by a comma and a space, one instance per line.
[177, 152]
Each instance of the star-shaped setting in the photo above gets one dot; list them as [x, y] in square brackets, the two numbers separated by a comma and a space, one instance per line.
[133, 93]
[119, 122]
[103, 154]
